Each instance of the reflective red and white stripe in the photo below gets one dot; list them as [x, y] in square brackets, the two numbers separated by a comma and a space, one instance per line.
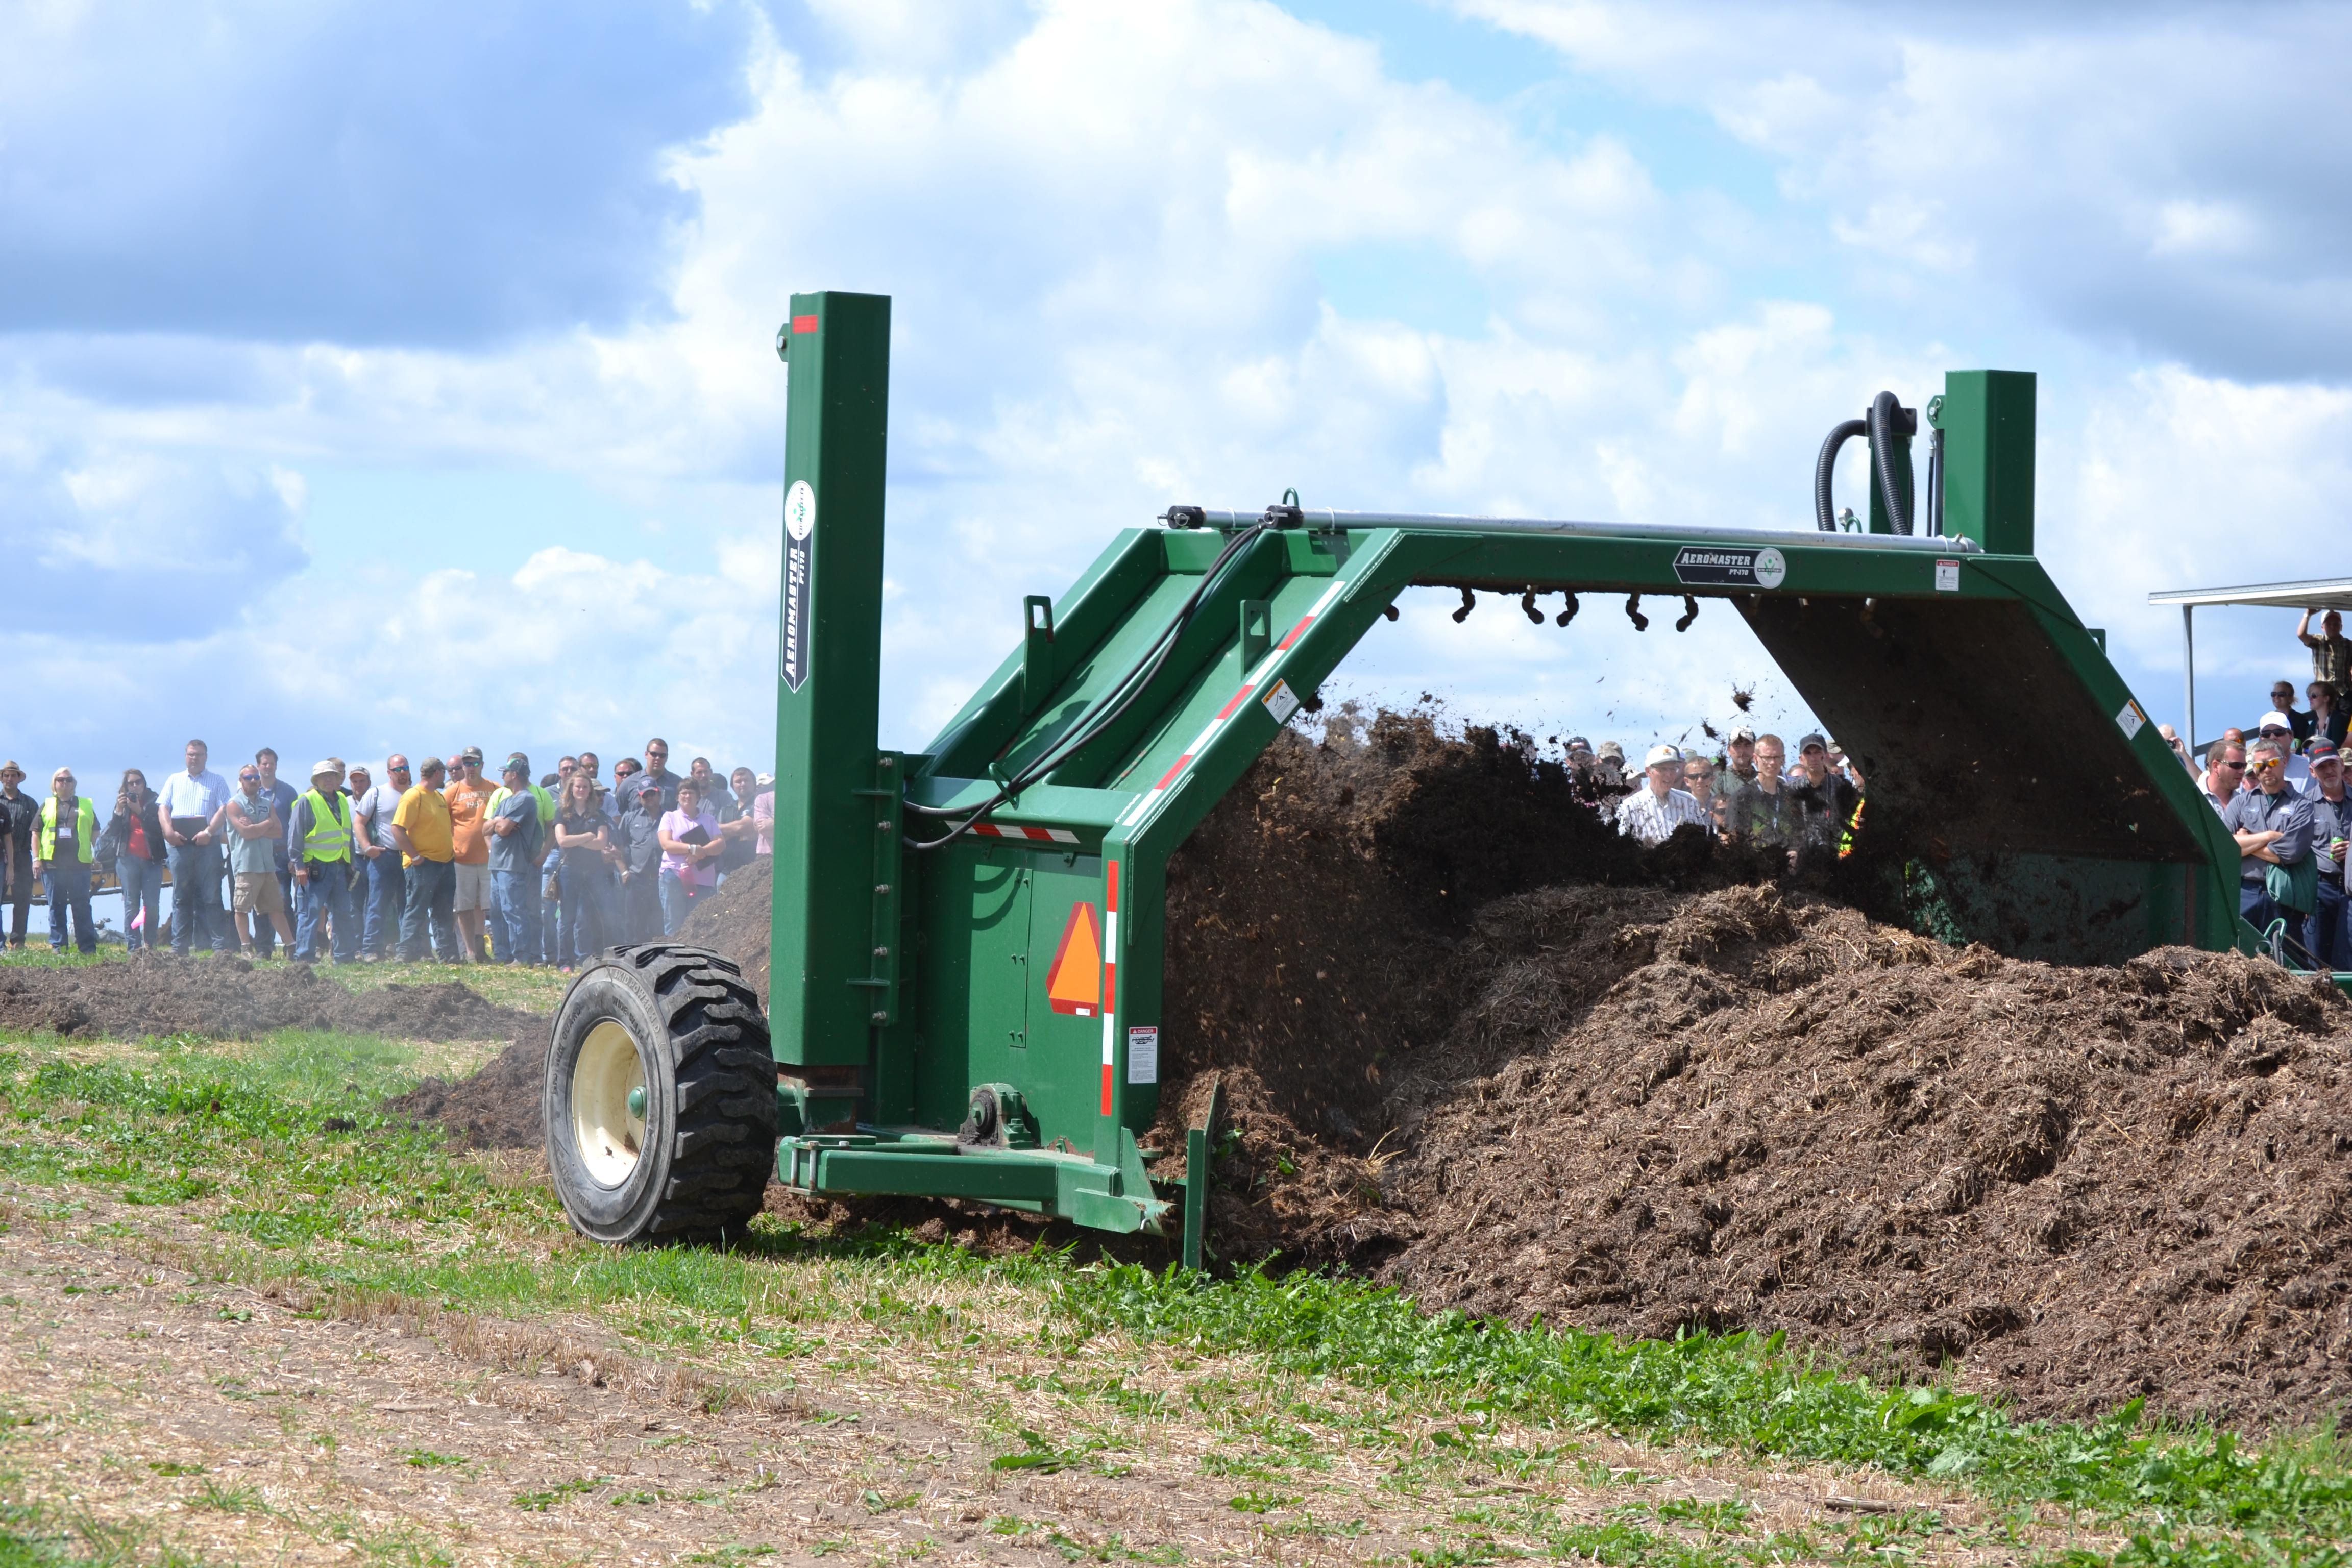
[1033, 835]
[1308, 620]
[1150, 797]
[1110, 976]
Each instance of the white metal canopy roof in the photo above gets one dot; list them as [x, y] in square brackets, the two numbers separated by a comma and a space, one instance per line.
[2327, 594]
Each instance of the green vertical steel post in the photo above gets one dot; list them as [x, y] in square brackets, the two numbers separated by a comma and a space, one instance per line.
[1987, 420]
[822, 1008]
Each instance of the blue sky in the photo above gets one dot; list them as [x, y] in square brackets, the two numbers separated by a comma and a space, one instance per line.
[401, 378]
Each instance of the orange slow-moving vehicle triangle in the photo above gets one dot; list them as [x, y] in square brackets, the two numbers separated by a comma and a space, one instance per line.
[1075, 983]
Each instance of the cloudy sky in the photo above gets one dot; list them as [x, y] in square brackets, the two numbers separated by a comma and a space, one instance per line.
[402, 376]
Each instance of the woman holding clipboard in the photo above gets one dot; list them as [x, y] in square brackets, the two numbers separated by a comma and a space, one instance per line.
[690, 850]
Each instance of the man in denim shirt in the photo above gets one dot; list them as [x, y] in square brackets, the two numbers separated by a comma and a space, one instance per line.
[2331, 827]
[2273, 825]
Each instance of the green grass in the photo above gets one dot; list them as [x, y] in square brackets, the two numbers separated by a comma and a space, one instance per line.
[281, 1150]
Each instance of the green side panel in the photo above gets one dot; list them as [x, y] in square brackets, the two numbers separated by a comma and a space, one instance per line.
[1987, 424]
[2058, 909]
[824, 996]
[971, 1002]
[1065, 1071]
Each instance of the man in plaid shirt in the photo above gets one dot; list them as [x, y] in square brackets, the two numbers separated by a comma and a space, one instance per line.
[1652, 812]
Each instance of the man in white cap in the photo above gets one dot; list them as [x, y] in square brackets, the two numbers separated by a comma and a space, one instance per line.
[320, 854]
[2280, 727]
[1652, 813]
[19, 814]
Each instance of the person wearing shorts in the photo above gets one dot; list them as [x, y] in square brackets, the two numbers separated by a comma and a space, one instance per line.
[253, 833]
[471, 899]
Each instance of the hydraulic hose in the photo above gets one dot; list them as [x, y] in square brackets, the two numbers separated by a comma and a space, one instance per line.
[1886, 422]
[1824, 511]
[1936, 483]
[1107, 710]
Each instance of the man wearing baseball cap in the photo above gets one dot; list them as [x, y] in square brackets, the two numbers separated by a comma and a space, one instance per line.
[1652, 812]
[1823, 801]
[1740, 758]
[2331, 825]
[2280, 727]
[322, 857]
[19, 813]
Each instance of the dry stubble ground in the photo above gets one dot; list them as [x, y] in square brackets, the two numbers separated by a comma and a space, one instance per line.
[250, 1365]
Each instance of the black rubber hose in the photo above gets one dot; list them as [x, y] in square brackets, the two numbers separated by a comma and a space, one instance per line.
[1825, 468]
[1108, 708]
[1885, 414]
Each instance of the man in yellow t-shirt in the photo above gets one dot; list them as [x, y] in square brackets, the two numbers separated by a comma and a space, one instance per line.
[421, 827]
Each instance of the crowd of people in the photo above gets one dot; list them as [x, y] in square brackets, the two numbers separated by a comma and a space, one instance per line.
[2279, 787]
[1749, 792]
[443, 861]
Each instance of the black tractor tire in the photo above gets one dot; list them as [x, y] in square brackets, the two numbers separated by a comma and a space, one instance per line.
[678, 1022]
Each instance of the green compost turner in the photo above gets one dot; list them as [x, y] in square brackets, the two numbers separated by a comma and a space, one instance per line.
[967, 944]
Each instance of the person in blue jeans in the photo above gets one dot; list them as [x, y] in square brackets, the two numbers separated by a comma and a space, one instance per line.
[515, 839]
[134, 839]
[321, 858]
[68, 843]
[191, 804]
[690, 850]
[385, 892]
[585, 856]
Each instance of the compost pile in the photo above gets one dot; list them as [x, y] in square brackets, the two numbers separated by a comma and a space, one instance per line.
[227, 998]
[1473, 1044]
[495, 1107]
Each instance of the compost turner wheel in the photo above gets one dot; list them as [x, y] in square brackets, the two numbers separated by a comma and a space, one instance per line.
[660, 1103]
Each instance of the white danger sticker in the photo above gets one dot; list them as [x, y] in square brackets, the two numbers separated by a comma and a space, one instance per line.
[1281, 702]
[2130, 720]
[1948, 576]
[1143, 1056]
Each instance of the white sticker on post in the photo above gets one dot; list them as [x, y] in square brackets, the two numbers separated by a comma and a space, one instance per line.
[1282, 703]
[2130, 720]
[1143, 1056]
[1948, 576]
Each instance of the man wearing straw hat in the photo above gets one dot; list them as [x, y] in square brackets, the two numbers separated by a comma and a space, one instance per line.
[321, 854]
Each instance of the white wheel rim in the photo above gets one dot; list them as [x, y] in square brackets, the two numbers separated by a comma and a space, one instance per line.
[609, 1137]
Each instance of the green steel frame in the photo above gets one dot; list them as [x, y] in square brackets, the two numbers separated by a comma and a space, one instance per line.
[2043, 814]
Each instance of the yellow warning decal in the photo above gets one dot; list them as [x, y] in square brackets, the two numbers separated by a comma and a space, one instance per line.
[1075, 983]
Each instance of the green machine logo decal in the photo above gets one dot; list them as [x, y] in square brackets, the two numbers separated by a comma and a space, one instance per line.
[800, 529]
[1717, 567]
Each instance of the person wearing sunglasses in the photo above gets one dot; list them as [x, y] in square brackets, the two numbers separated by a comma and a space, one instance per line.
[2273, 825]
[66, 846]
[2226, 776]
[134, 841]
[2280, 727]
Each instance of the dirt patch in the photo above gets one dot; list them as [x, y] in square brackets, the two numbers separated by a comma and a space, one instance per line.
[229, 999]
[736, 921]
[498, 1107]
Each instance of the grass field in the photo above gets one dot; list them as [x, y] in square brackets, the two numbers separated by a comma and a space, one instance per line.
[246, 1317]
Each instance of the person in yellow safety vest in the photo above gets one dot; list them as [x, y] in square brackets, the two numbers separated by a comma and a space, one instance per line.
[547, 813]
[68, 842]
[320, 853]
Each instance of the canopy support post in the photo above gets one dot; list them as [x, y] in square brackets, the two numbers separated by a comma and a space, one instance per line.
[2189, 668]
